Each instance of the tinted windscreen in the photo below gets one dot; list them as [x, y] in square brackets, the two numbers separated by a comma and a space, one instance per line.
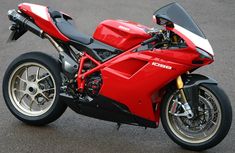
[176, 14]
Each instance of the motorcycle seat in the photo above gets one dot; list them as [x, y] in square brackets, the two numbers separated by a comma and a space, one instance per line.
[66, 27]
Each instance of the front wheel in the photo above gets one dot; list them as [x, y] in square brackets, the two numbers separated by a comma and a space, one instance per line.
[205, 130]
[31, 88]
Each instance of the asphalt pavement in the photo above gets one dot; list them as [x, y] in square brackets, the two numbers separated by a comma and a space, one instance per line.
[76, 133]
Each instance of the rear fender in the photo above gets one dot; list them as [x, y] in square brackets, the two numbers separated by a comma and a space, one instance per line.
[16, 32]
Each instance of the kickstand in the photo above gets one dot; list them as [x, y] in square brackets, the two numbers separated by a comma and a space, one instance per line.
[118, 126]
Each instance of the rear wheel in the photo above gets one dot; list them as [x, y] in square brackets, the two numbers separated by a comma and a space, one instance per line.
[31, 88]
[205, 130]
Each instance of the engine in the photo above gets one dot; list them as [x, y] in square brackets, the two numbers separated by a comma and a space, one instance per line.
[93, 85]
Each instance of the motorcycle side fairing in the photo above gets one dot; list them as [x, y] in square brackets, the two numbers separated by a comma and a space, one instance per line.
[123, 81]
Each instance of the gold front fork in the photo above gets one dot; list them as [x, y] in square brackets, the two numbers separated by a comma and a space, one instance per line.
[188, 111]
[180, 85]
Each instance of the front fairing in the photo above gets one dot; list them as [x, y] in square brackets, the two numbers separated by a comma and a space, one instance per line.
[184, 25]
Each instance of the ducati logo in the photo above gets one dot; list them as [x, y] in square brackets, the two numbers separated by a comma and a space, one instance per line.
[123, 28]
[162, 65]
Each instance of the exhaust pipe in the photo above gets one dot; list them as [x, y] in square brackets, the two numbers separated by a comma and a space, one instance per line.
[24, 23]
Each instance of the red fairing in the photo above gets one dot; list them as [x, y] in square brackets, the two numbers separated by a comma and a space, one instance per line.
[133, 79]
[189, 52]
[121, 34]
[42, 18]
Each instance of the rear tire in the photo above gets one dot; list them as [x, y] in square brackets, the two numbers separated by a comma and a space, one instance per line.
[206, 142]
[34, 99]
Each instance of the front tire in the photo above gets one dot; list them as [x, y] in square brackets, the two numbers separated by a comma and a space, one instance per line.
[31, 88]
[215, 115]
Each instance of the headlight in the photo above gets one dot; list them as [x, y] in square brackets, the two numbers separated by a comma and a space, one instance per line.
[203, 54]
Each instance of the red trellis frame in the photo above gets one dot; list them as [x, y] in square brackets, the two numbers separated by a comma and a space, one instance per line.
[81, 76]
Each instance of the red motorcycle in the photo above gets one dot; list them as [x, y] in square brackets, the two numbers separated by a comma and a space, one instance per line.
[126, 73]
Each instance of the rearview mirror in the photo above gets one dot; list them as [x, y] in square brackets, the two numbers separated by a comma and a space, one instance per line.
[162, 21]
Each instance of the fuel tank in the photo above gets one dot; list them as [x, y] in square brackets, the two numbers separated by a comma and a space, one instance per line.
[121, 34]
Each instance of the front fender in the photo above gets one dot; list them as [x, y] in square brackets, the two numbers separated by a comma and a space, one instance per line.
[197, 79]
[191, 88]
